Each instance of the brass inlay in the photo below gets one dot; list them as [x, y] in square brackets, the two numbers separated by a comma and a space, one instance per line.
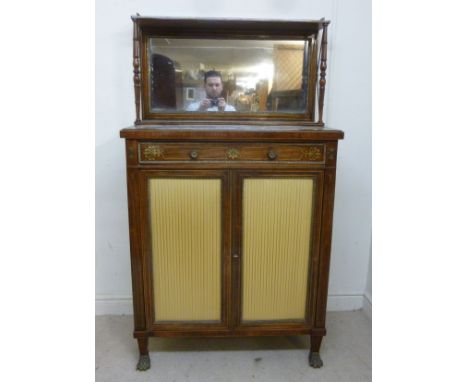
[130, 153]
[153, 152]
[313, 153]
[277, 216]
[232, 153]
[186, 248]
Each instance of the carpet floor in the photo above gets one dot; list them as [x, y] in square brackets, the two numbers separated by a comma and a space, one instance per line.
[345, 351]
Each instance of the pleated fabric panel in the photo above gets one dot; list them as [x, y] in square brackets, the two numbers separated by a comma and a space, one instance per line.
[277, 219]
[186, 248]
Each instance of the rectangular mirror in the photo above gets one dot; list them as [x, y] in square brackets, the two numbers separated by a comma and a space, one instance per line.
[228, 71]
[222, 75]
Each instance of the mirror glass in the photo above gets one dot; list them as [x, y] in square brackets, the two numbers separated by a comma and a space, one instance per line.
[219, 75]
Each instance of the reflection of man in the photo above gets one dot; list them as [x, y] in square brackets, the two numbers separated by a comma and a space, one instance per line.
[213, 100]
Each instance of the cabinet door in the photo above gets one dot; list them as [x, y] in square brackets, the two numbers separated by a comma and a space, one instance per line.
[278, 220]
[185, 220]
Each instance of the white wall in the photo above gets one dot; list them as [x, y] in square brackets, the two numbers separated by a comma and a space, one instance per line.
[367, 301]
[348, 108]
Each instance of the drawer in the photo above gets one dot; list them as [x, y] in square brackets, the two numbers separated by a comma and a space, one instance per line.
[163, 152]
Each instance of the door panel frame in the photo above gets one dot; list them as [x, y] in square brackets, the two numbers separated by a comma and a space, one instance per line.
[238, 177]
[145, 224]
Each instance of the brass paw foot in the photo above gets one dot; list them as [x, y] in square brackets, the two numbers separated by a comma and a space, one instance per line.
[314, 360]
[144, 363]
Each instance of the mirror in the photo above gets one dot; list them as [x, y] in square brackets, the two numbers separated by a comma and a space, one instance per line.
[227, 75]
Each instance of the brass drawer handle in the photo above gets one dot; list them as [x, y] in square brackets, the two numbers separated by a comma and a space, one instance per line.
[194, 154]
[272, 155]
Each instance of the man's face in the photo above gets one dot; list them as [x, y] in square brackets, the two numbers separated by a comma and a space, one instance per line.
[213, 87]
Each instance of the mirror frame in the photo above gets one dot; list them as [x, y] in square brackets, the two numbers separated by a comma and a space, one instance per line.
[145, 28]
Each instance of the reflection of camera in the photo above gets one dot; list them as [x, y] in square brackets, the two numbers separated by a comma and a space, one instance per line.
[214, 102]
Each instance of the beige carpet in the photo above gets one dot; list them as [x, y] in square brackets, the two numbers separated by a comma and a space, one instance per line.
[346, 354]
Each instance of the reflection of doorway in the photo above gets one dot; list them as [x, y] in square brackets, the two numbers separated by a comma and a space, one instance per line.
[287, 93]
[163, 82]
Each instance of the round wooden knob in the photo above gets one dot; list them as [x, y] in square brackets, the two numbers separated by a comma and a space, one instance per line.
[272, 155]
[194, 154]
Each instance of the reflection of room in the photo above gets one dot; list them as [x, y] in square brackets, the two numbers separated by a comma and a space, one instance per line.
[258, 75]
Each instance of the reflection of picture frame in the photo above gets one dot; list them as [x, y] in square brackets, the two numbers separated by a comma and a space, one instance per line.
[190, 94]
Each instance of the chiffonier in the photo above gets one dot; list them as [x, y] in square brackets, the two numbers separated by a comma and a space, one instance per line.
[231, 177]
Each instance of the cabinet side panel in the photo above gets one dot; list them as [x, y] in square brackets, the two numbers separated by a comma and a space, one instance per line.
[185, 219]
[277, 219]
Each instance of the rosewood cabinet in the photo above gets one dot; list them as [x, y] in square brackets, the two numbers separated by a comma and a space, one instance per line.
[230, 213]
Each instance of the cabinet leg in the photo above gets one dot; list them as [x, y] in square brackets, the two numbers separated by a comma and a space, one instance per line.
[144, 362]
[314, 356]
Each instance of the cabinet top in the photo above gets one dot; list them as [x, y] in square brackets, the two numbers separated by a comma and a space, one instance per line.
[233, 132]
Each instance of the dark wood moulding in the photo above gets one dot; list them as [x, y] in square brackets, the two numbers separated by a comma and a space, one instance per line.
[241, 132]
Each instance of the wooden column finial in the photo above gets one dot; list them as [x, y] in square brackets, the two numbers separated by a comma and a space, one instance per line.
[136, 68]
[323, 70]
